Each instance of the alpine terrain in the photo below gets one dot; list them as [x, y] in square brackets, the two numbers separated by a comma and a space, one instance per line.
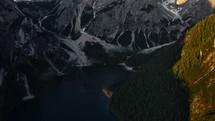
[43, 42]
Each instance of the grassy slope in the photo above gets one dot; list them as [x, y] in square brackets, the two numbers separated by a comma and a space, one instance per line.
[197, 68]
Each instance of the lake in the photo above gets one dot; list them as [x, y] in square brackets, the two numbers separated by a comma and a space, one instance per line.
[75, 99]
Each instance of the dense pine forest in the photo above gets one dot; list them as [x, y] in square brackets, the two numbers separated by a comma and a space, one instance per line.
[196, 68]
[153, 93]
[173, 85]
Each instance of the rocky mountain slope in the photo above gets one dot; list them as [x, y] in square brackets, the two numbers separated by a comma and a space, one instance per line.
[41, 40]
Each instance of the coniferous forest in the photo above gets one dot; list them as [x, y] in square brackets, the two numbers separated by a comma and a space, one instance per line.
[173, 85]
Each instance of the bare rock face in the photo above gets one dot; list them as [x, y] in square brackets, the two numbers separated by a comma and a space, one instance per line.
[60, 17]
[130, 23]
[138, 24]
[123, 15]
[199, 9]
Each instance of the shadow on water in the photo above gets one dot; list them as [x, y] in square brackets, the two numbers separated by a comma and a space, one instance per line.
[74, 100]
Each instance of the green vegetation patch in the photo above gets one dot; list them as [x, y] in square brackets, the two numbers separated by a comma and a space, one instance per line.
[197, 68]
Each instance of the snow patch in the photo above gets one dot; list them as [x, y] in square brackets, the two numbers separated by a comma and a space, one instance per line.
[132, 41]
[108, 47]
[150, 39]
[150, 50]
[31, 51]
[29, 95]
[78, 54]
[147, 44]
[169, 10]
[22, 38]
[126, 67]
[94, 11]
[41, 21]
[19, 11]
[59, 73]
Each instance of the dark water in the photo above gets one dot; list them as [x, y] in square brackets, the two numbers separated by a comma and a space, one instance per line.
[74, 100]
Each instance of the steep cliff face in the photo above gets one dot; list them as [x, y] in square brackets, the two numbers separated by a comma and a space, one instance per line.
[41, 40]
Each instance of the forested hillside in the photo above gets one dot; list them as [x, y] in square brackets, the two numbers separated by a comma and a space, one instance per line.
[153, 94]
[170, 90]
[197, 68]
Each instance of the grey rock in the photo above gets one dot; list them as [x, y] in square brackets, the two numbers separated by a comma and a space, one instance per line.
[43, 40]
